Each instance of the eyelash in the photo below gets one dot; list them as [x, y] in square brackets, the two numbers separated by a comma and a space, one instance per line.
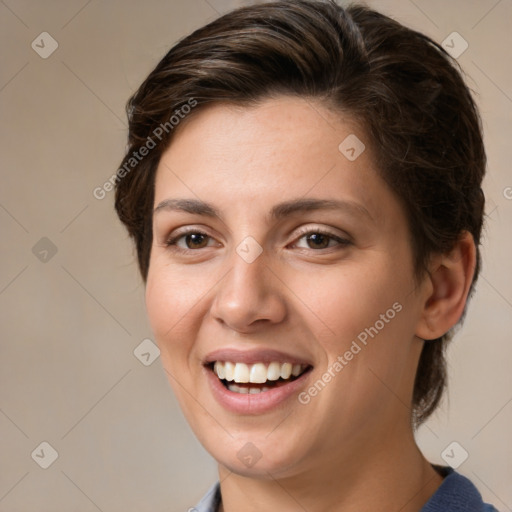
[171, 243]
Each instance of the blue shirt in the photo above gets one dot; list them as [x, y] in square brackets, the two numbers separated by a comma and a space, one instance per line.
[455, 494]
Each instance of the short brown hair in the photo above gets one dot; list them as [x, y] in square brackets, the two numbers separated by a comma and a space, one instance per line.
[402, 87]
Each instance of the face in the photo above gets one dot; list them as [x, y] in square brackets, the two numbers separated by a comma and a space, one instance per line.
[280, 288]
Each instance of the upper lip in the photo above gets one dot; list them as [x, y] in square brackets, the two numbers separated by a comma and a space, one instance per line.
[253, 356]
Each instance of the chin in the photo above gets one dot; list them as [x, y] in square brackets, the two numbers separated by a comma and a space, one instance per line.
[253, 454]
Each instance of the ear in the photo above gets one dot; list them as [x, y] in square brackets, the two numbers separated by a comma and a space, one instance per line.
[450, 276]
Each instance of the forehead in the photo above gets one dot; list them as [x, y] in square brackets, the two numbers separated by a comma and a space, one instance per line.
[261, 155]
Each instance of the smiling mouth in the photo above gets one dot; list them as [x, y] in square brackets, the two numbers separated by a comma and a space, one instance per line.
[256, 378]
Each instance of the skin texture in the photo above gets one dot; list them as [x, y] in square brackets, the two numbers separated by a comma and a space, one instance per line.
[355, 435]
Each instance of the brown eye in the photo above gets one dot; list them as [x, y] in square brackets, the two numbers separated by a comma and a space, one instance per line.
[188, 241]
[196, 240]
[318, 241]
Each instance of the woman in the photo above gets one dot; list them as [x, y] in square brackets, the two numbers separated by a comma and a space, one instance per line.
[303, 187]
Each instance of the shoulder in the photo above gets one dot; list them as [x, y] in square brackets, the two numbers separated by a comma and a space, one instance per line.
[456, 494]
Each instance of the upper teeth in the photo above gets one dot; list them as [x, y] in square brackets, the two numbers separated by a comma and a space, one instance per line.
[257, 373]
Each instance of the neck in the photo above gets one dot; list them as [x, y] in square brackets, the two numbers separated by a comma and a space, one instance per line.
[391, 475]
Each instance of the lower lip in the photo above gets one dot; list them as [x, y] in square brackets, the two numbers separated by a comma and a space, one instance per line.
[259, 403]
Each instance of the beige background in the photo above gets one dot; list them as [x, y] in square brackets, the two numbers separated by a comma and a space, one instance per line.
[70, 323]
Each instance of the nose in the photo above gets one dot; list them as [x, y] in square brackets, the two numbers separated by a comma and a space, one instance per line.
[249, 297]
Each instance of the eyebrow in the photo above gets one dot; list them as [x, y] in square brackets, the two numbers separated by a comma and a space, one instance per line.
[279, 211]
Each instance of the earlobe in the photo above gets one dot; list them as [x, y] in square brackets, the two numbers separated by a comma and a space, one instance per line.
[450, 276]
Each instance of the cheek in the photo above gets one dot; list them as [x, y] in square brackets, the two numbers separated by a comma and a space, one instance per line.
[172, 304]
[372, 314]
[350, 299]
[370, 319]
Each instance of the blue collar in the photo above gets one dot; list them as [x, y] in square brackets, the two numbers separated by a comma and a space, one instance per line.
[455, 494]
